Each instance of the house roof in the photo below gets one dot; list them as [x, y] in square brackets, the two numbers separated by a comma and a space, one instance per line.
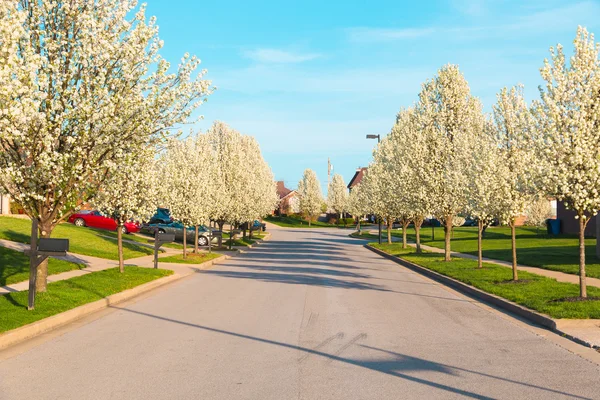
[357, 178]
[282, 191]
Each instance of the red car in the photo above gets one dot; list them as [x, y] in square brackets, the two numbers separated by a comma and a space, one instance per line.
[94, 219]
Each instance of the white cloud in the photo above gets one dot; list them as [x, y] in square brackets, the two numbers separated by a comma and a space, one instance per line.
[275, 56]
[364, 34]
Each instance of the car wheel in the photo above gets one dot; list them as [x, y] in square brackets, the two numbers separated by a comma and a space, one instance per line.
[202, 241]
[79, 222]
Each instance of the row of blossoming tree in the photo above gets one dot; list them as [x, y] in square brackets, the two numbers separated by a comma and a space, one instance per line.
[87, 102]
[445, 157]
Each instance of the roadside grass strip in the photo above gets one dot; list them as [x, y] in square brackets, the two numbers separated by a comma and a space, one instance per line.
[85, 241]
[239, 242]
[192, 258]
[293, 222]
[14, 266]
[71, 293]
[539, 293]
[535, 248]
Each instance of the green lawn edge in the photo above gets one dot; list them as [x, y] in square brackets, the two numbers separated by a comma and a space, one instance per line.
[535, 292]
[71, 293]
[191, 258]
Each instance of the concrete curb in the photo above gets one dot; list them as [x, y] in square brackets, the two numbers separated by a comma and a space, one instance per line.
[530, 315]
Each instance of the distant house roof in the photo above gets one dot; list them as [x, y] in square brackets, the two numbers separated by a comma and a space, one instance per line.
[282, 191]
[357, 178]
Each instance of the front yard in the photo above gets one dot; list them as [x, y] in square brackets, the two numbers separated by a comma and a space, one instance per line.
[85, 241]
[556, 253]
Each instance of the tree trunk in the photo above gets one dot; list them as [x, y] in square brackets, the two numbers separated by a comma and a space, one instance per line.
[447, 236]
[184, 242]
[309, 220]
[41, 282]
[432, 232]
[513, 240]
[418, 221]
[250, 225]
[582, 285]
[404, 233]
[196, 241]
[389, 230]
[120, 247]
[480, 226]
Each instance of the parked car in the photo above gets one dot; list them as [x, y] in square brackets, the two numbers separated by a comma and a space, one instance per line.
[162, 216]
[94, 219]
[261, 226]
[176, 228]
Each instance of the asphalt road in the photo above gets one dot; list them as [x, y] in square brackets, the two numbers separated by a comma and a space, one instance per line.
[308, 315]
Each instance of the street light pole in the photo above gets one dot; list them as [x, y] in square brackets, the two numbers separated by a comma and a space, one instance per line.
[378, 137]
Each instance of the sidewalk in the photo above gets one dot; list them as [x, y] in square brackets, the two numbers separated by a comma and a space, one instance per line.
[93, 264]
[559, 276]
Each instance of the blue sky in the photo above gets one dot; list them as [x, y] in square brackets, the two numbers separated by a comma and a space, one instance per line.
[310, 79]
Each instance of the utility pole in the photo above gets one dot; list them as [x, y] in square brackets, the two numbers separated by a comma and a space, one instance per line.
[378, 137]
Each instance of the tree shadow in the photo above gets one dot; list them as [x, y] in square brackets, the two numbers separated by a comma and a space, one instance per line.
[392, 363]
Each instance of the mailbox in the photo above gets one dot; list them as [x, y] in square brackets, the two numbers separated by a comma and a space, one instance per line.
[166, 237]
[53, 245]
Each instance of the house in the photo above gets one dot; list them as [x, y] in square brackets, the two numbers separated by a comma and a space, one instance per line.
[4, 204]
[288, 200]
[357, 178]
[570, 225]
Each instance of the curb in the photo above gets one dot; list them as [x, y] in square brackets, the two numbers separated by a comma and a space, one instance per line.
[29, 331]
[530, 315]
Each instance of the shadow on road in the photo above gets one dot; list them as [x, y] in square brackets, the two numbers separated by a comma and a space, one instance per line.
[393, 364]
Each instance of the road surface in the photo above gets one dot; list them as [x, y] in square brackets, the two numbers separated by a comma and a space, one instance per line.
[309, 315]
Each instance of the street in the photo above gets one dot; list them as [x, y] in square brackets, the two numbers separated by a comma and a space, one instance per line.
[310, 314]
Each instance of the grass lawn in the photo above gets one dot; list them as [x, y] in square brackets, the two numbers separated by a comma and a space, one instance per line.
[239, 242]
[14, 266]
[191, 258]
[535, 292]
[86, 241]
[71, 293]
[556, 253]
[296, 222]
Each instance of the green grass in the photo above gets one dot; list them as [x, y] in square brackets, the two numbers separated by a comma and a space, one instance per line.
[68, 294]
[535, 292]
[191, 258]
[556, 253]
[86, 241]
[14, 266]
[296, 222]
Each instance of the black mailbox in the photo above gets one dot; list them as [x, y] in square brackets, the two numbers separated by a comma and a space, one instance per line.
[53, 245]
[166, 237]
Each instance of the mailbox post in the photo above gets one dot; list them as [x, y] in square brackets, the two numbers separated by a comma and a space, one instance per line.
[40, 250]
[159, 240]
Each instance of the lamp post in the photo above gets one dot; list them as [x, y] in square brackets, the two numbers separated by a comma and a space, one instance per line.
[378, 137]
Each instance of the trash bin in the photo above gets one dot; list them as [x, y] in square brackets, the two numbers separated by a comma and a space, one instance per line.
[554, 226]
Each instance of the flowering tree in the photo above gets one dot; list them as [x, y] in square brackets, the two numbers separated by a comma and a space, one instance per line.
[450, 118]
[486, 184]
[129, 192]
[337, 195]
[260, 197]
[83, 86]
[227, 168]
[311, 198]
[357, 204]
[514, 130]
[570, 143]
[187, 190]
[538, 212]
